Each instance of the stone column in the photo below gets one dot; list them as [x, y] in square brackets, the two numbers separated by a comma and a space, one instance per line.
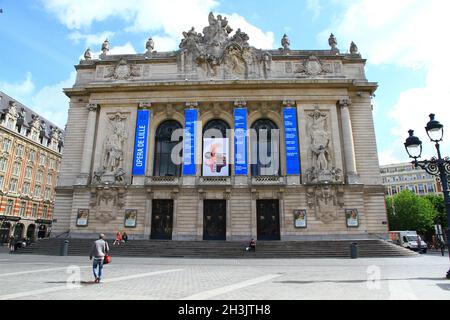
[148, 214]
[349, 146]
[199, 225]
[88, 145]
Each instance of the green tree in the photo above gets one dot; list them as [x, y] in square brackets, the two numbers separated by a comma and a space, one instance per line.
[408, 211]
[438, 203]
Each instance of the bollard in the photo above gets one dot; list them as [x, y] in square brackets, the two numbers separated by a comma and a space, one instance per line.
[353, 250]
[65, 248]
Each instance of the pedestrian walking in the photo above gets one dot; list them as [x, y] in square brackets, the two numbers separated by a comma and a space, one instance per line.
[118, 238]
[12, 244]
[99, 250]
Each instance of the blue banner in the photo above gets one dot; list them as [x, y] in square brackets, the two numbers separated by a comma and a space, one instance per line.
[140, 144]
[189, 168]
[240, 142]
[291, 141]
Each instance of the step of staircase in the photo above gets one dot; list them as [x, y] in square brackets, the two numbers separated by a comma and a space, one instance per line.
[218, 249]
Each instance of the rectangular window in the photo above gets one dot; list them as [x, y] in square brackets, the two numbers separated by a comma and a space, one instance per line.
[10, 207]
[32, 155]
[6, 144]
[52, 164]
[430, 188]
[23, 205]
[47, 193]
[26, 188]
[13, 185]
[37, 191]
[34, 210]
[42, 160]
[39, 176]
[50, 179]
[10, 124]
[28, 172]
[421, 189]
[3, 164]
[19, 150]
[16, 168]
[1, 182]
[44, 212]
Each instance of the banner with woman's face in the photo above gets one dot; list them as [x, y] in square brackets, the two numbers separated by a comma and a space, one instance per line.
[215, 157]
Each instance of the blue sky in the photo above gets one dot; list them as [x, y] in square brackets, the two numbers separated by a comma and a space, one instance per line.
[403, 41]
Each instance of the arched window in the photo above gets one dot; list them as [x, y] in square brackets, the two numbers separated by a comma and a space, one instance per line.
[265, 148]
[164, 166]
[216, 149]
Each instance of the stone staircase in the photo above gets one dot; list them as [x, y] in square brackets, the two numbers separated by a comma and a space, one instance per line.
[213, 249]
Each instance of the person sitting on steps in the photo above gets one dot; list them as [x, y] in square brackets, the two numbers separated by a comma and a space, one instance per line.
[251, 246]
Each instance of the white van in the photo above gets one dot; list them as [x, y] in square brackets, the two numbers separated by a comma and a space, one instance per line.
[409, 240]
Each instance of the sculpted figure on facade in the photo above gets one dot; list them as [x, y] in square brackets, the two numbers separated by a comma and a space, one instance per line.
[321, 169]
[285, 42]
[88, 54]
[150, 45]
[114, 144]
[319, 139]
[215, 52]
[353, 48]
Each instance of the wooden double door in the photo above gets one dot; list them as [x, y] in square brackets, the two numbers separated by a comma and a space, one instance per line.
[215, 220]
[268, 219]
[162, 220]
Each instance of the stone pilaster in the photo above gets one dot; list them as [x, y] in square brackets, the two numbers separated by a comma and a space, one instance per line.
[88, 145]
[349, 146]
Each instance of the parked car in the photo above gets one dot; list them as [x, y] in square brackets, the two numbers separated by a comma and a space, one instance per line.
[409, 240]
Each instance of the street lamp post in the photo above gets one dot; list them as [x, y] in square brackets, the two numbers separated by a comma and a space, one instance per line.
[436, 166]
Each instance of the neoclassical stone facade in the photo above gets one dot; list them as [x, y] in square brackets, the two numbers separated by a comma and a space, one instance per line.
[309, 111]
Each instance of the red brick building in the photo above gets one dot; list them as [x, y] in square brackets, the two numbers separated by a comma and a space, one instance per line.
[30, 156]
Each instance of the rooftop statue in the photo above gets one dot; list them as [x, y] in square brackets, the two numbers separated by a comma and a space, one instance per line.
[150, 45]
[88, 54]
[332, 41]
[105, 47]
[353, 48]
[215, 47]
[285, 42]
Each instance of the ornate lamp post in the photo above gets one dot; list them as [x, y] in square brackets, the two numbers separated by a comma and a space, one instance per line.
[436, 166]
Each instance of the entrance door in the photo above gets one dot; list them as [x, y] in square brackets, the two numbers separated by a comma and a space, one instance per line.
[268, 219]
[5, 230]
[215, 220]
[30, 231]
[18, 231]
[162, 220]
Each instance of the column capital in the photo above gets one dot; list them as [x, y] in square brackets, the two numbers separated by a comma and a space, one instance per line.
[289, 103]
[92, 106]
[345, 103]
[240, 103]
[145, 105]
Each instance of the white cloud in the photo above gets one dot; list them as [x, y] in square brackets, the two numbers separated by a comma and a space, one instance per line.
[315, 7]
[19, 90]
[51, 103]
[387, 157]
[164, 19]
[408, 33]
[258, 38]
[163, 43]
[90, 39]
